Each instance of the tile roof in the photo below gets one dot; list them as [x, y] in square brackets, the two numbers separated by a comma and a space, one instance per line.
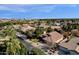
[53, 37]
[72, 44]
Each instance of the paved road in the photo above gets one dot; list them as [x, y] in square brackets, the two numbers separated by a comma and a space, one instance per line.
[22, 39]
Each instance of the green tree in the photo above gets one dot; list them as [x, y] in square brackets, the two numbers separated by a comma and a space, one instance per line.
[49, 29]
[10, 31]
[29, 34]
[23, 50]
[13, 46]
[39, 31]
[37, 51]
[67, 28]
[5, 24]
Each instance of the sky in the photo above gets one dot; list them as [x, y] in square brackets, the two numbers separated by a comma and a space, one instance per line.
[39, 11]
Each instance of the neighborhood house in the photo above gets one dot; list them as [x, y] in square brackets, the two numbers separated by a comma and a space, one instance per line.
[52, 37]
[70, 47]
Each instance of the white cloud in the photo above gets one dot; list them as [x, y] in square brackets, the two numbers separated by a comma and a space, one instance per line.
[73, 5]
[24, 8]
[4, 8]
[12, 8]
[44, 8]
[32, 7]
[70, 5]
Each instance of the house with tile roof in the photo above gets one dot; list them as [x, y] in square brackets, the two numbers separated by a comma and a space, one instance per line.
[52, 37]
[26, 27]
[70, 46]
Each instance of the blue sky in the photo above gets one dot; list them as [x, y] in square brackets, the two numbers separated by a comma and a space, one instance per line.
[39, 11]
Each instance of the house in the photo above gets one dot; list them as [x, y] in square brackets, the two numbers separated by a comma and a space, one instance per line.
[16, 26]
[44, 26]
[57, 24]
[55, 27]
[26, 27]
[69, 46]
[52, 37]
[75, 32]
